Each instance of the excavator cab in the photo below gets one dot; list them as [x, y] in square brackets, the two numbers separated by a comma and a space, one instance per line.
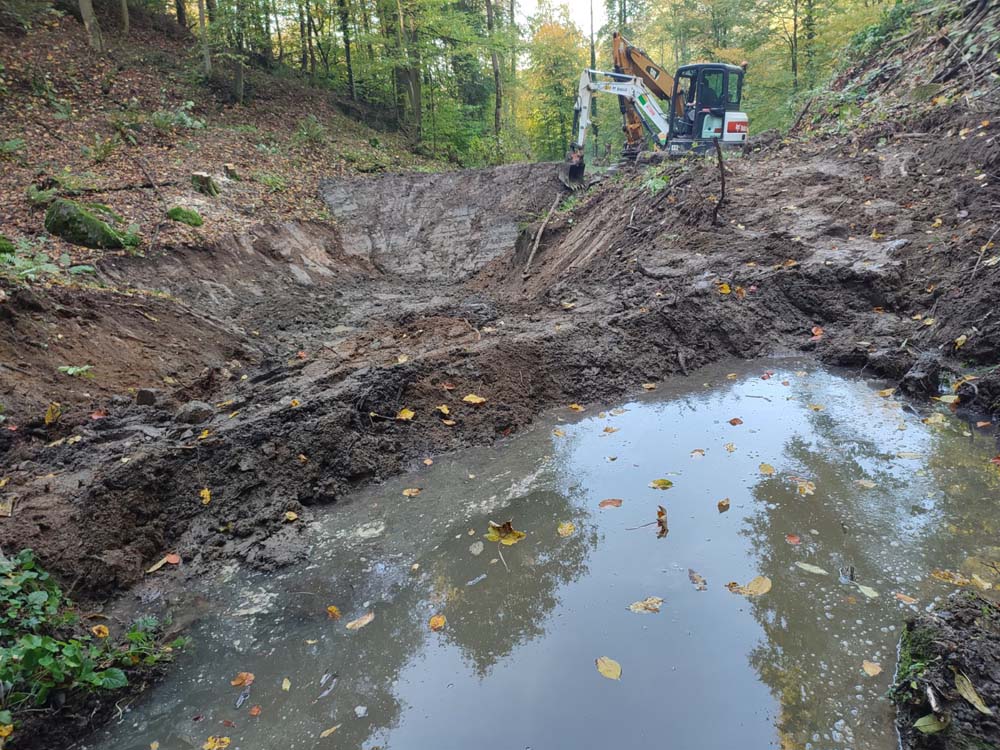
[706, 101]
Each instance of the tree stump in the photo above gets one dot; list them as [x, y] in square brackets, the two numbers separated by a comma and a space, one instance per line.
[203, 183]
[231, 172]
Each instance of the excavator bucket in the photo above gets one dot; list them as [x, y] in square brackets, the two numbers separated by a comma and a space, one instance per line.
[572, 169]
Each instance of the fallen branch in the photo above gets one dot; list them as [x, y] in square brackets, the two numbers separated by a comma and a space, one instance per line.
[538, 237]
[722, 179]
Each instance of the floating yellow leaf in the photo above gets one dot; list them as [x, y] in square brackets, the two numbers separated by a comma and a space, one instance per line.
[331, 730]
[361, 621]
[766, 469]
[730, 447]
[53, 413]
[608, 667]
[558, 433]
[815, 407]
[206, 495]
[886, 392]
[871, 668]
[756, 587]
[472, 398]
[698, 453]
[286, 684]
[946, 576]
[291, 515]
[649, 605]
[333, 612]
[565, 529]
[910, 455]
[809, 568]
[405, 415]
[661, 484]
[723, 505]
[504, 533]
[100, 631]
[968, 691]
[805, 487]
[575, 407]
[216, 743]
[935, 418]
[611, 430]
[411, 492]
[437, 622]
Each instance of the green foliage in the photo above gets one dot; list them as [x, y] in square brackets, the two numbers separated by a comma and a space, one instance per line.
[28, 262]
[185, 216]
[42, 647]
[915, 655]
[655, 183]
[6, 246]
[38, 197]
[275, 182]
[871, 38]
[88, 224]
[102, 148]
[179, 118]
[78, 371]
[9, 149]
[310, 131]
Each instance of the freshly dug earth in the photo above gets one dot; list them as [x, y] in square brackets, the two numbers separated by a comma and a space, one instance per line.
[307, 339]
[961, 638]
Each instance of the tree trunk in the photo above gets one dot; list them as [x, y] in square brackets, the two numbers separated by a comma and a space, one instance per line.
[795, 45]
[277, 26]
[212, 13]
[239, 86]
[91, 25]
[181, 9]
[496, 73]
[303, 52]
[346, 31]
[309, 40]
[206, 52]
[123, 6]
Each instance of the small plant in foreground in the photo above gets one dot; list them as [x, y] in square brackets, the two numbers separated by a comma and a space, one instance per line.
[275, 182]
[28, 262]
[78, 371]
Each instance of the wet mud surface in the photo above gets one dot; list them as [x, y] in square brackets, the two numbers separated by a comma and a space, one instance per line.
[305, 340]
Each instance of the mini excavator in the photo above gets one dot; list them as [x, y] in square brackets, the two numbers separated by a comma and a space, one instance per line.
[701, 105]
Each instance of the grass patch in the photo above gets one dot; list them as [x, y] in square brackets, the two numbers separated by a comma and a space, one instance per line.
[274, 182]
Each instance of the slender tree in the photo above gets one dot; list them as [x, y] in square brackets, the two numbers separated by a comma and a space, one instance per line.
[92, 26]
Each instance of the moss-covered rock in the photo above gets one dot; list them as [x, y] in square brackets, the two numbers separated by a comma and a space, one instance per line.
[6, 246]
[185, 216]
[87, 224]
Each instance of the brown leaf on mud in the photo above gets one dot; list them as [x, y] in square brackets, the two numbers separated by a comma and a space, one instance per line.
[411, 492]
[984, 424]
[172, 559]
[449, 422]
[735, 421]
[53, 413]
[98, 414]
[216, 743]
[817, 333]
[291, 515]
[905, 599]
[575, 407]
[661, 522]
[443, 408]
[649, 386]
[327, 732]
[699, 582]
[504, 533]
[437, 622]
[242, 679]
[333, 612]
[428, 462]
[558, 433]
[723, 505]
[448, 386]
[724, 288]
[405, 414]
[611, 502]
[472, 398]
[255, 710]
[361, 621]
[206, 495]
[295, 403]
[967, 690]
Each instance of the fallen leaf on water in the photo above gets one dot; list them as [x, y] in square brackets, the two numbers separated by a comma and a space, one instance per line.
[291, 515]
[931, 724]
[868, 591]
[757, 586]
[575, 407]
[53, 413]
[206, 495]
[981, 583]
[558, 433]
[661, 522]
[565, 529]
[255, 710]
[723, 505]
[730, 447]
[649, 605]
[504, 533]
[215, 743]
[698, 453]
[611, 430]
[411, 492]
[611, 502]
[815, 407]
[405, 414]
[946, 576]
[735, 421]
[967, 690]
[331, 730]
[204, 434]
[242, 679]
[793, 539]
[608, 667]
[171, 559]
[871, 668]
[886, 392]
[909, 455]
[766, 469]
[935, 418]
[661, 484]
[699, 582]
[361, 621]
[805, 487]
[472, 398]
[905, 599]
[809, 568]
[866, 483]
[286, 684]
[333, 612]
[437, 622]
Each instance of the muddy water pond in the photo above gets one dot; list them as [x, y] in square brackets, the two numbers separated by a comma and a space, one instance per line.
[842, 496]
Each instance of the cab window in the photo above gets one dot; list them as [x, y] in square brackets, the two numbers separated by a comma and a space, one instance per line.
[712, 92]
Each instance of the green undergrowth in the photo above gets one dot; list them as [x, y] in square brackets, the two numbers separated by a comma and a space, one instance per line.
[48, 654]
